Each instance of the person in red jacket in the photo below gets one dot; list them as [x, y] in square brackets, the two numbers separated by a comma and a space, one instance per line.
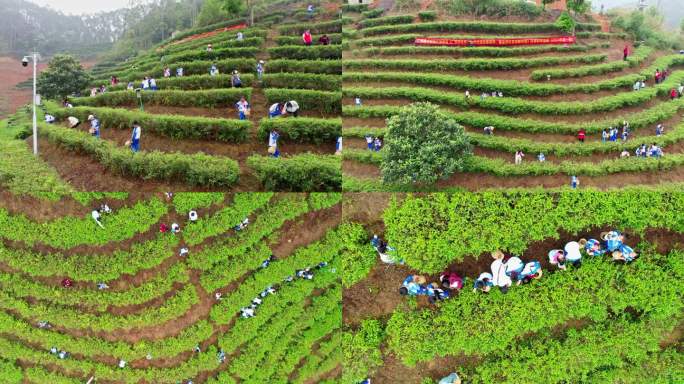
[451, 280]
[625, 53]
[673, 94]
[306, 36]
[581, 135]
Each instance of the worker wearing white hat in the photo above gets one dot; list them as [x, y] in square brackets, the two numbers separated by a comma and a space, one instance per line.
[572, 253]
[94, 126]
[292, 107]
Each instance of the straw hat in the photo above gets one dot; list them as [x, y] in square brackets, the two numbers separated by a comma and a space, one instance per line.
[497, 254]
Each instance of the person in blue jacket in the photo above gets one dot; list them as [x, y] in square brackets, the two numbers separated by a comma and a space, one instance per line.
[531, 271]
[612, 240]
[625, 254]
[451, 379]
[592, 247]
[273, 144]
[484, 282]
[135, 137]
[413, 285]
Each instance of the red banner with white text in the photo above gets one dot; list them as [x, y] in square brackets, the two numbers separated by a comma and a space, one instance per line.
[438, 41]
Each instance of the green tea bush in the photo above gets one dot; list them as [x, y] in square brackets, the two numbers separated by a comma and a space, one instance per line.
[304, 172]
[335, 38]
[205, 98]
[331, 67]
[329, 102]
[388, 20]
[197, 169]
[299, 52]
[470, 64]
[302, 129]
[173, 126]
[323, 82]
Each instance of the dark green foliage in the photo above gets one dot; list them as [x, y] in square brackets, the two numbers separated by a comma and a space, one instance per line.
[373, 13]
[335, 38]
[197, 169]
[427, 15]
[302, 81]
[173, 126]
[206, 98]
[299, 173]
[494, 8]
[329, 102]
[565, 23]
[300, 52]
[389, 20]
[422, 145]
[334, 26]
[310, 66]
[302, 129]
[64, 76]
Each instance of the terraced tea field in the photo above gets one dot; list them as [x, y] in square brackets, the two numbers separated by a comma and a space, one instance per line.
[607, 322]
[125, 292]
[550, 93]
[192, 137]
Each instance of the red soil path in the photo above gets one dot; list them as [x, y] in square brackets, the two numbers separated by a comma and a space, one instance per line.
[13, 73]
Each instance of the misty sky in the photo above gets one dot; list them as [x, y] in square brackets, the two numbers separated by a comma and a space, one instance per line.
[77, 7]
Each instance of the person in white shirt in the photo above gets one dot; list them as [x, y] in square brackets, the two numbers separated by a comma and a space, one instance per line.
[572, 253]
[192, 216]
[96, 216]
[519, 157]
[153, 84]
[240, 36]
[135, 137]
[292, 107]
[175, 228]
[122, 363]
[146, 84]
[499, 276]
[213, 71]
[247, 312]
[483, 282]
[514, 267]
[49, 118]
[73, 121]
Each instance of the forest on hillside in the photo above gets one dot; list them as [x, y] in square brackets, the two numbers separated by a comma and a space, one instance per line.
[25, 26]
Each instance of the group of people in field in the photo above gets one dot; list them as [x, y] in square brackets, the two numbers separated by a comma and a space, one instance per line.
[509, 270]
[242, 106]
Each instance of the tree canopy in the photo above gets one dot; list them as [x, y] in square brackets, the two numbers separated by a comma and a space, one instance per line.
[63, 77]
[423, 145]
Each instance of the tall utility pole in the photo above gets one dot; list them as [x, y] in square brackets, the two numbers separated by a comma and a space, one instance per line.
[34, 56]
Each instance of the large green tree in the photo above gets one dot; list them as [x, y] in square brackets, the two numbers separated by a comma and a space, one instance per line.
[63, 76]
[214, 11]
[423, 145]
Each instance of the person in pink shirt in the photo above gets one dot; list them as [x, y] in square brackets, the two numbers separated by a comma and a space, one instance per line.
[306, 36]
[451, 280]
